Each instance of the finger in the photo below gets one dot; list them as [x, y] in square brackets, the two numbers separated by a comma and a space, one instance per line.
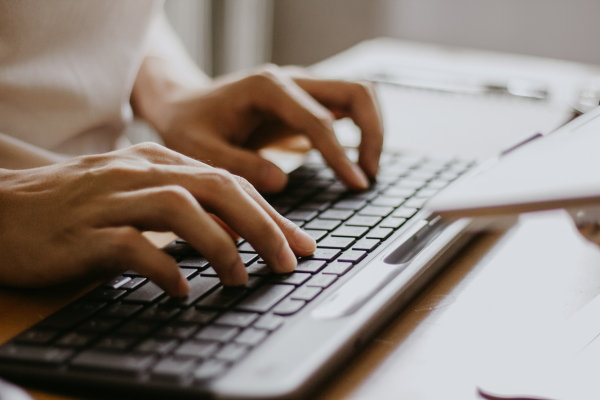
[279, 95]
[125, 247]
[172, 208]
[302, 243]
[263, 174]
[357, 100]
[591, 232]
[220, 193]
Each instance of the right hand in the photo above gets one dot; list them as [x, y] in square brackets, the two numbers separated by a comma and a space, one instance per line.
[86, 215]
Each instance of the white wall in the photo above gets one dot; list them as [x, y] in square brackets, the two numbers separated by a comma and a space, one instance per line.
[306, 31]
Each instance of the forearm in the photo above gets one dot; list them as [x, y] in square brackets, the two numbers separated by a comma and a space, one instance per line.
[166, 70]
[16, 154]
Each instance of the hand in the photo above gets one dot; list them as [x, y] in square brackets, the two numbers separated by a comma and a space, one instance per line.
[225, 123]
[85, 216]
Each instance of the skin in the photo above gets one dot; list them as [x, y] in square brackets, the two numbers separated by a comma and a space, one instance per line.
[226, 121]
[86, 215]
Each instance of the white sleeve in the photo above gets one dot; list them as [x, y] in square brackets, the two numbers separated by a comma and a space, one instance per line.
[164, 43]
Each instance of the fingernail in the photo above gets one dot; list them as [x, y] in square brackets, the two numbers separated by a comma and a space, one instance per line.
[183, 287]
[361, 179]
[304, 241]
[273, 179]
[287, 260]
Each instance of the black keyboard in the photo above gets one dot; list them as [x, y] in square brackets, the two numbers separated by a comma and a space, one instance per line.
[130, 327]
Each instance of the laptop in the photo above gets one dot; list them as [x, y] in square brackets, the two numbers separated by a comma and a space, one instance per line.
[282, 336]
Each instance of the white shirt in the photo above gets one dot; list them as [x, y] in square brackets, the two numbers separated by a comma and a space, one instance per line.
[67, 68]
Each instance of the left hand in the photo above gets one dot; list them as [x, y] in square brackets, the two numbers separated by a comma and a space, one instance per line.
[225, 123]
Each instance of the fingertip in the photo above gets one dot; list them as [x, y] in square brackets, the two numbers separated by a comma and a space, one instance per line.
[287, 260]
[272, 179]
[304, 242]
[360, 180]
[183, 287]
[236, 276]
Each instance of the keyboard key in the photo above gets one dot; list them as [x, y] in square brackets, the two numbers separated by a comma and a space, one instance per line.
[176, 249]
[317, 235]
[99, 324]
[197, 349]
[145, 294]
[194, 262]
[115, 342]
[137, 328]
[103, 294]
[322, 280]
[71, 315]
[209, 272]
[117, 282]
[298, 222]
[232, 352]
[368, 195]
[350, 204]
[338, 268]
[251, 337]
[188, 272]
[415, 202]
[366, 244]
[315, 206]
[350, 231]
[246, 248]
[121, 310]
[336, 214]
[199, 286]
[323, 254]
[352, 256]
[172, 369]
[134, 283]
[268, 322]
[296, 278]
[310, 266]
[360, 220]
[376, 211]
[288, 307]
[265, 298]
[380, 233]
[197, 316]
[399, 192]
[222, 298]
[34, 354]
[131, 272]
[159, 313]
[156, 345]
[37, 336]
[426, 193]
[323, 224]
[254, 282]
[237, 318]
[436, 185]
[177, 330]
[411, 183]
[392, 222]
[259, 269]
[404, 212]
[221, 334]
[122, 363]
[209, 369]
[301, 215]
[341, 243]
[76, 339]
[305, 293]
[387, 202]
[248, 258]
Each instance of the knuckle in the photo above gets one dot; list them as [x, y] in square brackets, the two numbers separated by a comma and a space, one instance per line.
[220, 179]
[245, 184]
[149, 148]
[364, 88]
[176, 198]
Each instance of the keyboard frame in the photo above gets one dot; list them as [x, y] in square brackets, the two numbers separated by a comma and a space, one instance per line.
[296, 359]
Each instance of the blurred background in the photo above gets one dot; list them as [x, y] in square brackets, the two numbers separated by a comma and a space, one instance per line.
[230, 35]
